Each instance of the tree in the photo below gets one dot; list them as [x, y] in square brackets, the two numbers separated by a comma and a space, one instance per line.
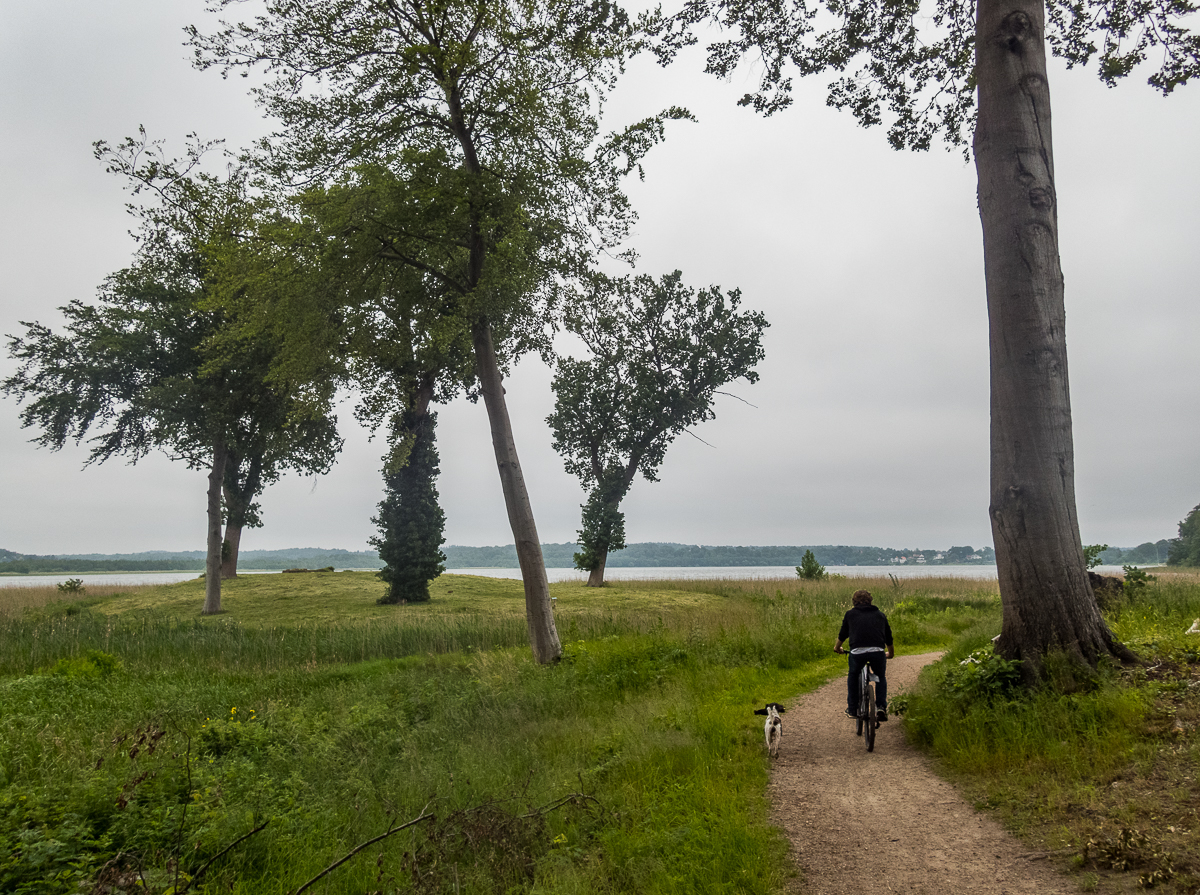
[410, 520]
[659, 353]
[1185, 550]
[144, 368]
[809, 568]
[480, 120]
[926, 70]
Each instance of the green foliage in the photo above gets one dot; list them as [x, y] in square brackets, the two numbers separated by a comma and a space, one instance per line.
[1136, 581]
[151, 365]
[91, 663]
[659, 353]
[809, 568]
[921, 71]
[1185, 550]
[603, 524]
[71, 586]
[410, 520]
[983, 675]
[1092, 554]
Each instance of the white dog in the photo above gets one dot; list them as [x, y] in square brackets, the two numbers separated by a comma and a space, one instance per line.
[773, 727]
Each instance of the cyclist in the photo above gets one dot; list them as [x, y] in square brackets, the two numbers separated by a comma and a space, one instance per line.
[870, 638]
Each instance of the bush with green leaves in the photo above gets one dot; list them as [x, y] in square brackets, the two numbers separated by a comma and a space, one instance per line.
[1136, 580]
[71, 586]
[983, 675]
[91, 663]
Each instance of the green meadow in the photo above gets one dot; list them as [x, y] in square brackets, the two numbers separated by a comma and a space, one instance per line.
[144, 745]
[309, 739]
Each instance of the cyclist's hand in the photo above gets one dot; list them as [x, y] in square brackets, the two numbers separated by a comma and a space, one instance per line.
[839, 651]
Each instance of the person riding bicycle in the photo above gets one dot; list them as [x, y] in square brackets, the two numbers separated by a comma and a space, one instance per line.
[870, 638]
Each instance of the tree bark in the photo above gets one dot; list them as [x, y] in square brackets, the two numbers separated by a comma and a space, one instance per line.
[543, 635]
[596, 576]
[1048, 602]
[229, 558]
[212, 565]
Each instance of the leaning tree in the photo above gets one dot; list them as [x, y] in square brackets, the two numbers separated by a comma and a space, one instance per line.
[922, 67]
[482, 118]
[659, 353]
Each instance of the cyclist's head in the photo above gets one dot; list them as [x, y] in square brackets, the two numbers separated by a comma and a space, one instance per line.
[862, 598]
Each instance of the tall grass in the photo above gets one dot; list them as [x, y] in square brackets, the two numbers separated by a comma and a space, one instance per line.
[15, 599]
[148, 740]
[1112, 762]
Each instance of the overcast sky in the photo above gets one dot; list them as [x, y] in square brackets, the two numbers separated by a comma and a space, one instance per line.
[870, 422]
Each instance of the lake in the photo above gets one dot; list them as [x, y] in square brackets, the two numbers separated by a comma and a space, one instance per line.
[619, 574]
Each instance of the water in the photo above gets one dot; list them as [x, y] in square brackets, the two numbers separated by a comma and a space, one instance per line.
[109, 578]
[618, 574]
[636, 573]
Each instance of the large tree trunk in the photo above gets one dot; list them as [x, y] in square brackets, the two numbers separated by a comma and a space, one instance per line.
[239, 495]
[229, 550]
[1047, 600]
[212, 565]
[543, 635]
[596, 576]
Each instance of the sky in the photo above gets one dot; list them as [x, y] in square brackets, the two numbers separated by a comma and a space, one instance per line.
[869, 425]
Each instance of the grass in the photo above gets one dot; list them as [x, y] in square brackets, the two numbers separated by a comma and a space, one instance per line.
[139, 740]
[1106, 777]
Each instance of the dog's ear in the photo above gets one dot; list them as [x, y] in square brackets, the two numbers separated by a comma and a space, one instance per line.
[779, 708]
[760, 711]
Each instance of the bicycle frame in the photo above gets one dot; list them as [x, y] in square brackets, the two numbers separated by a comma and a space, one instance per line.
[867, 719]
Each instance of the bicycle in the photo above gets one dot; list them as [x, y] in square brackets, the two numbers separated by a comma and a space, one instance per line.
[868, 710]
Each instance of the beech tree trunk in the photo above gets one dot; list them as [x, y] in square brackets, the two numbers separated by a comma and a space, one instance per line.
[229, 549]
[543, 635]
[596, 576]
[1048, 602]
[212, 564]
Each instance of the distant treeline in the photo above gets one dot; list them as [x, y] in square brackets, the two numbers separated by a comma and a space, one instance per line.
[558, 556]
[656, 554]
[1149, 553]
[186, 561]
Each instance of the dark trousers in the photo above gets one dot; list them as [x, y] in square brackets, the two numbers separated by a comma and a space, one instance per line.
[878, 663]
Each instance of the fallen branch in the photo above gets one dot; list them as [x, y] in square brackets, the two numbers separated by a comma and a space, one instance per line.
[204, 867]
[354, 851]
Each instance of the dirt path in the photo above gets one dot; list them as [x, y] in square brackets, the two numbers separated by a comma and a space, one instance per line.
[842, 806]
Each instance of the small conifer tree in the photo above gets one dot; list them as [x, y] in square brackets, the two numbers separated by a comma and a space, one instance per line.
[410, 520]
[809, 568]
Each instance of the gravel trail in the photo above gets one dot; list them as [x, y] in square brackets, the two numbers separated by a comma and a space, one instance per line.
[844, 809]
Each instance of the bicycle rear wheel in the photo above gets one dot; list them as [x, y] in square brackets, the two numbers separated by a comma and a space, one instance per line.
[872, 715]
[862, 702]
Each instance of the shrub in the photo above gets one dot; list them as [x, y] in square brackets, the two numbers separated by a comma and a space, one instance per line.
[71, 586]
[1136, 580]
[92, 664]
[983, 675]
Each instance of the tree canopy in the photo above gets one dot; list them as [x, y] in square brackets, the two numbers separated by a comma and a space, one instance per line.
[1185, 550]
[463, 141]
[151, 364]
[659, 353]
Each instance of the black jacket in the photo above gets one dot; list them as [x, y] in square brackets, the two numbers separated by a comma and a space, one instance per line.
[866, 626]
